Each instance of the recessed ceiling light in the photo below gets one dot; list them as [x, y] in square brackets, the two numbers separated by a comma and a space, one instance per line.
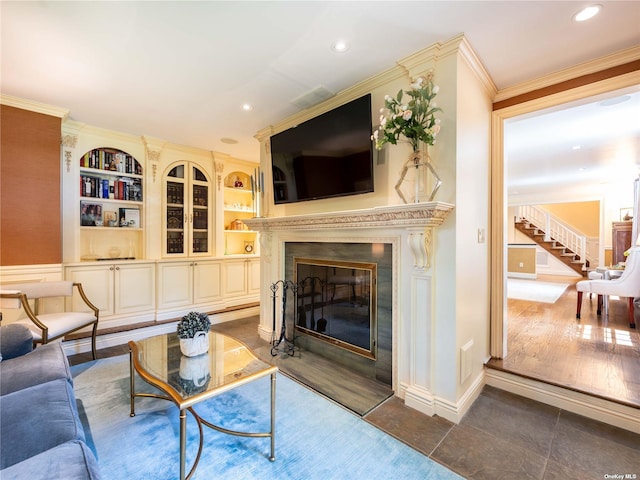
[229, 141]
[340, 46]
[576, 147]
[247, 107]
[587, 13]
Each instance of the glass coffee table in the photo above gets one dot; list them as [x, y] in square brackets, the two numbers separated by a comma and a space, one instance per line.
[187, 381]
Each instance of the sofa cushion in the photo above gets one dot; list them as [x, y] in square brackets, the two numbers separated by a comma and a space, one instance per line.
[68, 461]
[45, 363]
[15, 340]
[36, 419]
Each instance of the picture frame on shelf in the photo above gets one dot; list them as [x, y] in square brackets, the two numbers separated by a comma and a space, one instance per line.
[626, 214]
[110, 219]
[129, 217]
[91, 214]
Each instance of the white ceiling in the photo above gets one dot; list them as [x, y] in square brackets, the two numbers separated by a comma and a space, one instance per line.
[582, 149]
[180, 71]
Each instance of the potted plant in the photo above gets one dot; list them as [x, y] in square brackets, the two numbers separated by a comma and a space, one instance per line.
[193, 332]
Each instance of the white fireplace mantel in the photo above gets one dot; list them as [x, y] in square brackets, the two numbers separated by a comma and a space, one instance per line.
[428, 214]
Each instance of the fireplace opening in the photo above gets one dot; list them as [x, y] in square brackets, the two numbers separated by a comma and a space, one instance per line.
[337, 303]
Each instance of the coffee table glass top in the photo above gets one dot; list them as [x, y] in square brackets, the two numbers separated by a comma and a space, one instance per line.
[187, 380]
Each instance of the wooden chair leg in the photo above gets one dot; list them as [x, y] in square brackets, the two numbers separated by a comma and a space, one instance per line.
[632, 319]
[579, 306]
[93, 339]
[600, 302]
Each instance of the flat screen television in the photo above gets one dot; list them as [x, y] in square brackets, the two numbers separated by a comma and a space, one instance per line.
[328, 156]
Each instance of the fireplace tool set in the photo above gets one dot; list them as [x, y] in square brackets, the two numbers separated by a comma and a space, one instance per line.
[282, 343]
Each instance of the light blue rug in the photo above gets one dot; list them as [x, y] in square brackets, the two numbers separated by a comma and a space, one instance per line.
[315, 438]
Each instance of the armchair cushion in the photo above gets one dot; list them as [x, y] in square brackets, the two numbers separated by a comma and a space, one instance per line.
[45, 363]
[50, 406]
[58, 323]
[15, 340]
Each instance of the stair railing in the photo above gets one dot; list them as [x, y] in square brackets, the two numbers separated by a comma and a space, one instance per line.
[556, 230]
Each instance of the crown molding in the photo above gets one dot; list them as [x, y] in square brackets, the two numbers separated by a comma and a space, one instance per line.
[468, 54]
[592, 66]
[33, 106]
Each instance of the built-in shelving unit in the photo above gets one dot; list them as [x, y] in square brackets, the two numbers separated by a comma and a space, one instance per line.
[111, 205]
[239, 205]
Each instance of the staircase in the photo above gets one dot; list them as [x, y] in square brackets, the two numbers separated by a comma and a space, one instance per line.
[571, 253]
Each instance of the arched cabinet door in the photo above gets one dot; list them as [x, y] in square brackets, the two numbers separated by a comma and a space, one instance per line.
[187, 211]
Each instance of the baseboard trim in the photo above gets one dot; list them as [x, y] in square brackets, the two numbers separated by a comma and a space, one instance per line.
[429, 404]
[612, 413]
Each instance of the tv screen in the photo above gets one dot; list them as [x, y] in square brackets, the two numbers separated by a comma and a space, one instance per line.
[328, 156]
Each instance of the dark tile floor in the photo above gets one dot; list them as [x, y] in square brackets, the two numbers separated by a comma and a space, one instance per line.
[503, 436]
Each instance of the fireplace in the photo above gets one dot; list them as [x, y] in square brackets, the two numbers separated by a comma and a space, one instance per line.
[344, 308]
[399, 239]
[337, 303]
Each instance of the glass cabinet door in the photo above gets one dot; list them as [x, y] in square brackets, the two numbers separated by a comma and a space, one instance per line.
[200, 222]
[188, 212]
[175, 210]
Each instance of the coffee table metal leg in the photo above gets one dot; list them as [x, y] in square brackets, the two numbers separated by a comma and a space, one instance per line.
[273, 417]
[132, 393]
[183, 442]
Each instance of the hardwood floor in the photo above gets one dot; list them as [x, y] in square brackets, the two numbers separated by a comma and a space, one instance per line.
[595, 355]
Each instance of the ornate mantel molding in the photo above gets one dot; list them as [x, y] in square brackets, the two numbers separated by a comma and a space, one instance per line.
[428, 214]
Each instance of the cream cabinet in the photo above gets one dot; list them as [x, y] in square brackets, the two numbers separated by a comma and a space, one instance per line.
[124, 290]
[188, 285]
[187, 218]
[241, 278]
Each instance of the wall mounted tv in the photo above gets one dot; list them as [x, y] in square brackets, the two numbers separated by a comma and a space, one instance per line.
[328, 156]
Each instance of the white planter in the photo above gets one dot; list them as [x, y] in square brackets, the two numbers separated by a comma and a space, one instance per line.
[197, 345]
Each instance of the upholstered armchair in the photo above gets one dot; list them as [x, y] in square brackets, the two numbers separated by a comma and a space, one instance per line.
[627, 285]
[46, 327]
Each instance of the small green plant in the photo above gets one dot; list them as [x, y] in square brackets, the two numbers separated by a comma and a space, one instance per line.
[192, 323]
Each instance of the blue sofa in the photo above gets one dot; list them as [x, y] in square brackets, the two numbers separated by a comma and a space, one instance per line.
[41, 434]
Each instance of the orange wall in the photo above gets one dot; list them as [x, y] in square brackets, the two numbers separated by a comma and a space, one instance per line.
[30, 223]
[582, 216]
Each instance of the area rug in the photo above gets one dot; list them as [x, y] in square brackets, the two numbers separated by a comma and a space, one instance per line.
[535, 290]
[315, 438]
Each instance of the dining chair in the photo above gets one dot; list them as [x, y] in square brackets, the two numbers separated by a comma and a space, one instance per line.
[626, 286]
[46, 327]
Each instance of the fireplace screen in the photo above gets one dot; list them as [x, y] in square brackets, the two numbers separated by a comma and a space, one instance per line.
[337, 302]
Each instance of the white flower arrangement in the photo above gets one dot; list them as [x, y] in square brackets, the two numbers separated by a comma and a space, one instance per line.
[414, 120]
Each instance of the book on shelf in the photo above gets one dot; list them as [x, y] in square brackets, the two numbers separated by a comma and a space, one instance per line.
[130, 217]
[111, 160]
